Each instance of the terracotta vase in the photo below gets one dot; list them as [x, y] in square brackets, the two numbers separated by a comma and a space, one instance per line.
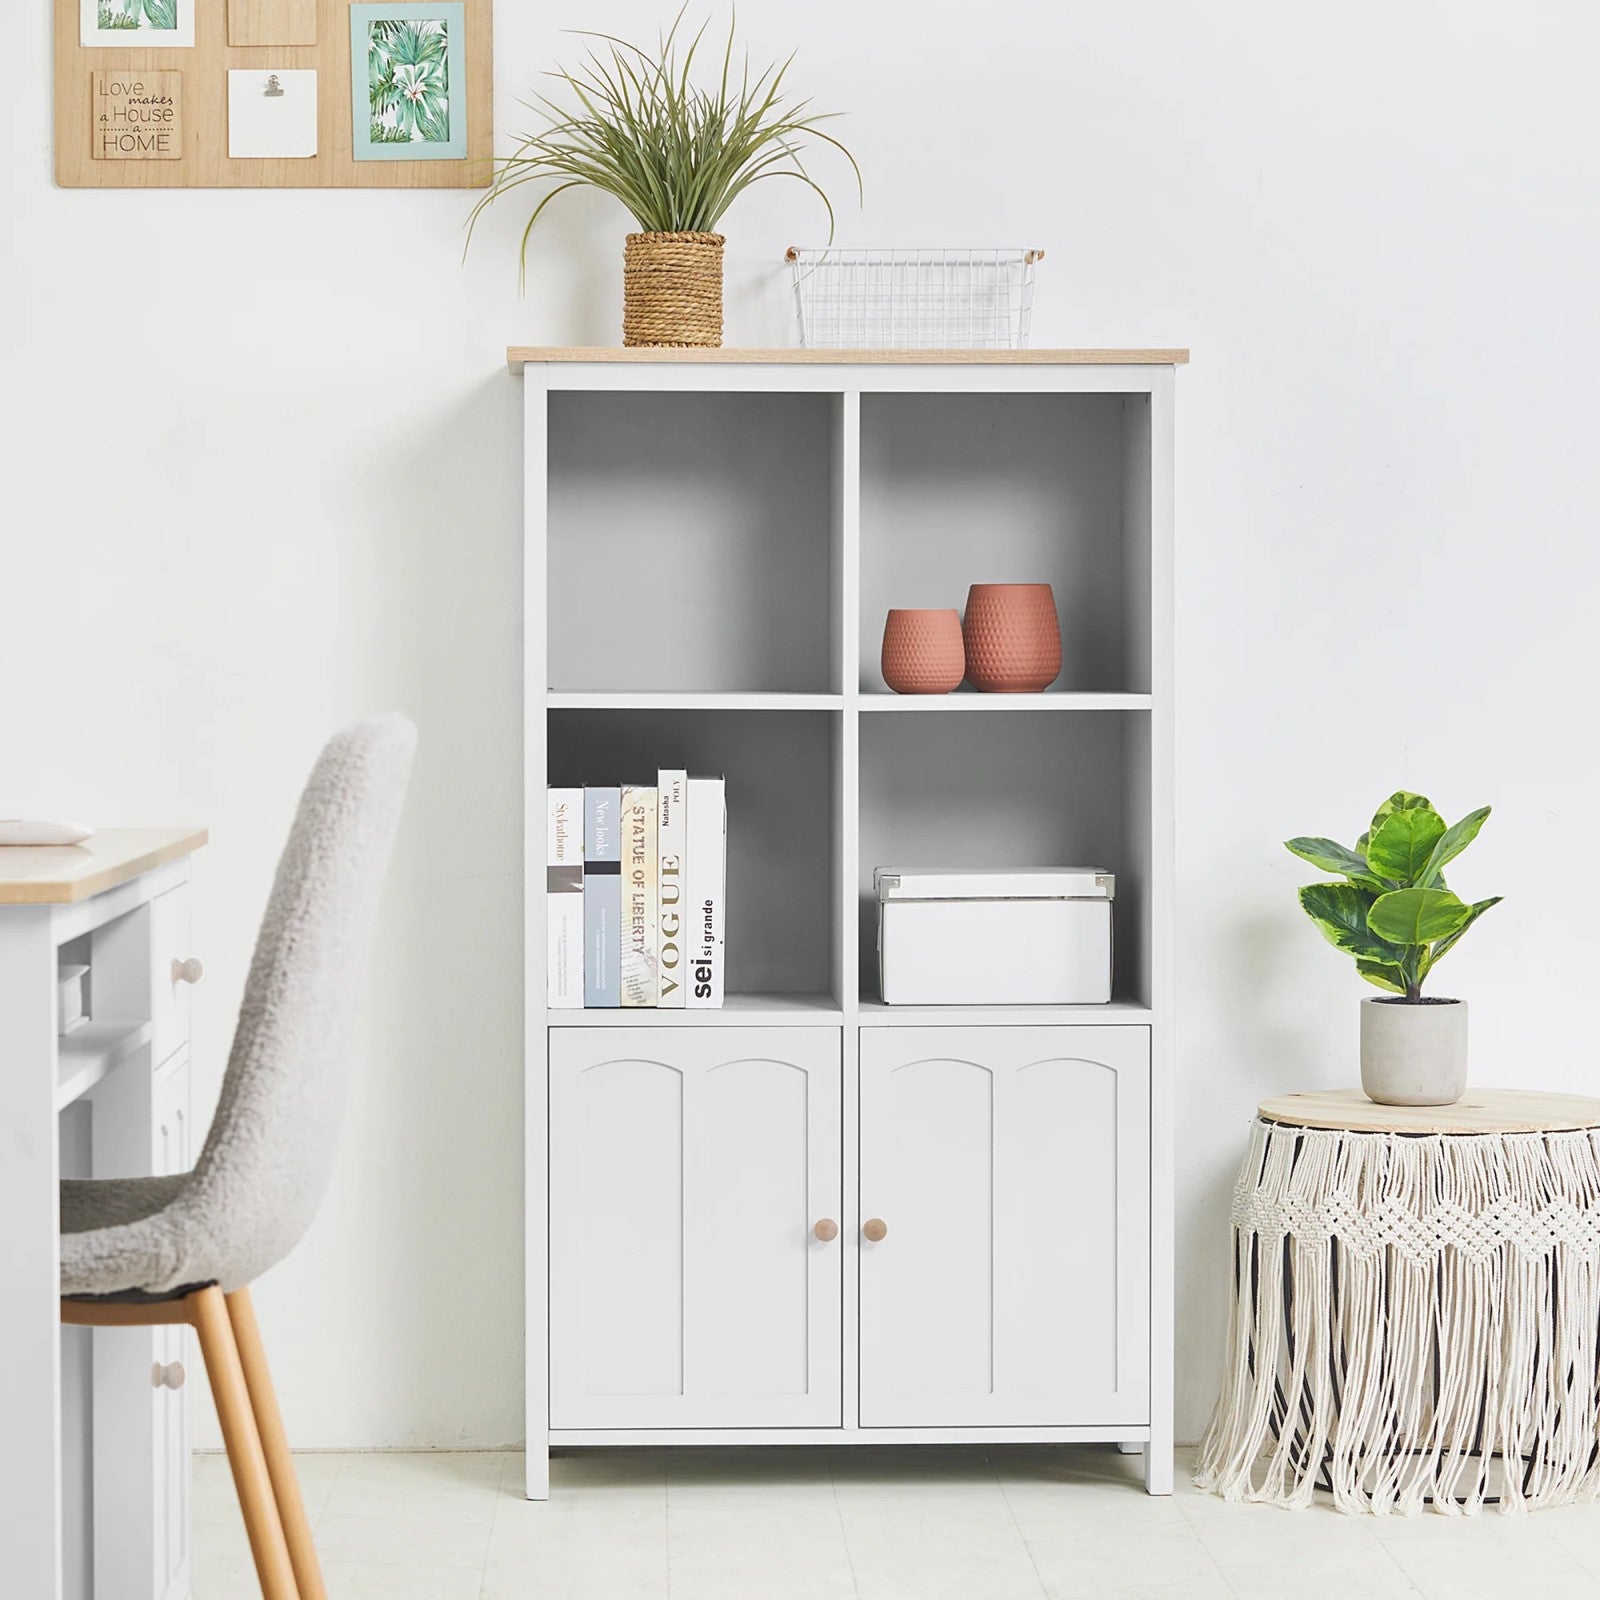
[1013, 637]
[922, 652]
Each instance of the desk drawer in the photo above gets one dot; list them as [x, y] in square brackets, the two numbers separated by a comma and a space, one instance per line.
[170, 979]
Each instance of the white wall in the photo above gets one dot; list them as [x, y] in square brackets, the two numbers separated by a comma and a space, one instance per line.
[261, 475]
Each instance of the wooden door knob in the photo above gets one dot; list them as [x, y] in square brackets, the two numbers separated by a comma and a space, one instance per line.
[187, 970]
[874, 1229]
[170, 1376]
[827, 1230]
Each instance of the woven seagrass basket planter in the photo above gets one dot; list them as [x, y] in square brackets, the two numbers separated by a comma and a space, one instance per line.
[672, 289]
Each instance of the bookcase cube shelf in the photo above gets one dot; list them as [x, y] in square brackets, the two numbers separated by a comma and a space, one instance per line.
[988, 791]
[958, 489]
[713, 539]
[781, 776]
[692, 541]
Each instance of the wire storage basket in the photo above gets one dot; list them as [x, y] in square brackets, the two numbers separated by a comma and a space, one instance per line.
[913, 299]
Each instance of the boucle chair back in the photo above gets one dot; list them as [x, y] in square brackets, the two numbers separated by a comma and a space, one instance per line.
[269, 1154]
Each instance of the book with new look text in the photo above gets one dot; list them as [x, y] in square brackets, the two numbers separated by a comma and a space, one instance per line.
[602, 896]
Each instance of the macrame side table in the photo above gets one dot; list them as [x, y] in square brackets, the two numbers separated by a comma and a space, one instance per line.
[1416, 1307]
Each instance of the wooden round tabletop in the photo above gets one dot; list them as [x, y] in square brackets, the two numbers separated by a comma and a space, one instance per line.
[1478, 1111]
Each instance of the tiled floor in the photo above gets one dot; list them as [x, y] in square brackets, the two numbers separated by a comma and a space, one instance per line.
[878, 1524]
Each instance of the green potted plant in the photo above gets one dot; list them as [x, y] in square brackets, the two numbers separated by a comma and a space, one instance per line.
[1395, 914]
[677, 155]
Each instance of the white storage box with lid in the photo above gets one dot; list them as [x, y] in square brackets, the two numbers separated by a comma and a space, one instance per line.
[981, 937]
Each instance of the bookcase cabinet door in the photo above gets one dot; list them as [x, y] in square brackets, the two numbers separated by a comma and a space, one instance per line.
[687, 1169]
[1010, 1167]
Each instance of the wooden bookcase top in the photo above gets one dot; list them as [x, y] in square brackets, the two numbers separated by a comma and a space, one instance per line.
[518, 356]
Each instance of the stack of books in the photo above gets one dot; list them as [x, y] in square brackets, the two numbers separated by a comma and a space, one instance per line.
[637, 894]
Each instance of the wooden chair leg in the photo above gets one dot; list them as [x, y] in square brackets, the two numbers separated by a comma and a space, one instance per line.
[275, 1445]
[243, 1444]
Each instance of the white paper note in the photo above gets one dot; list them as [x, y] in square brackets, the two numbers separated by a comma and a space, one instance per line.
[272, 113]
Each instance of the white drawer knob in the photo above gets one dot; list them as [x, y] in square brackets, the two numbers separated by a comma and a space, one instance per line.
[170, 1376]
[188, 970]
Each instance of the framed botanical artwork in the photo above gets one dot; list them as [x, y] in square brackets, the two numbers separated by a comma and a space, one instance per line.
[137, 24]
[408, 80]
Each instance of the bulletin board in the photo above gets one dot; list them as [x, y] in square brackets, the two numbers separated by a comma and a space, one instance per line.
[385, 109]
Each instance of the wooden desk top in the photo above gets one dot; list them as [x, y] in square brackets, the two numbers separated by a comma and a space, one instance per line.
[519, 355]
[1478, 1111]
[39, 875]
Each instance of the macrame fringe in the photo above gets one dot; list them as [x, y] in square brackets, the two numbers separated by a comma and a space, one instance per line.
[1415, 1323]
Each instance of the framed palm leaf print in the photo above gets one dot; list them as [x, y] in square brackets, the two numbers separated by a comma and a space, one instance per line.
[408, 81]
[136, 24]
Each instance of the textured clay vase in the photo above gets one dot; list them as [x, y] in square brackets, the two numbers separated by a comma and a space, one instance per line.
[1414, 1053]
[922, 652]
[1013, 637]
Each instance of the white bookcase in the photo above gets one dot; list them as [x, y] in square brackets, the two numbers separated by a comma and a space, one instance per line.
[713, 538]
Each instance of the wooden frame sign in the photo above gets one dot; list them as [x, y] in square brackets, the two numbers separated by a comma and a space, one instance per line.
[138, 116]
[251, 94]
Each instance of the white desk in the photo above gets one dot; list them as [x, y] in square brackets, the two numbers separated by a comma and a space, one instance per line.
[109, 1099]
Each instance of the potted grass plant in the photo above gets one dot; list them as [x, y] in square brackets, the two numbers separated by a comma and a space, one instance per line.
[677, 154]
[1394, 913]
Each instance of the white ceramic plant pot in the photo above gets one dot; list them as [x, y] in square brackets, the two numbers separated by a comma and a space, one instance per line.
[1414, 1054]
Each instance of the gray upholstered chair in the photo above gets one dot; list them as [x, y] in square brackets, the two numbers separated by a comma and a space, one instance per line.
[149, 1251]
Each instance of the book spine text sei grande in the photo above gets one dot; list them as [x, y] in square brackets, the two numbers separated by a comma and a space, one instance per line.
[706, 912]
[672, 802]
[602, 896]
[564, 899]
[640, 910]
